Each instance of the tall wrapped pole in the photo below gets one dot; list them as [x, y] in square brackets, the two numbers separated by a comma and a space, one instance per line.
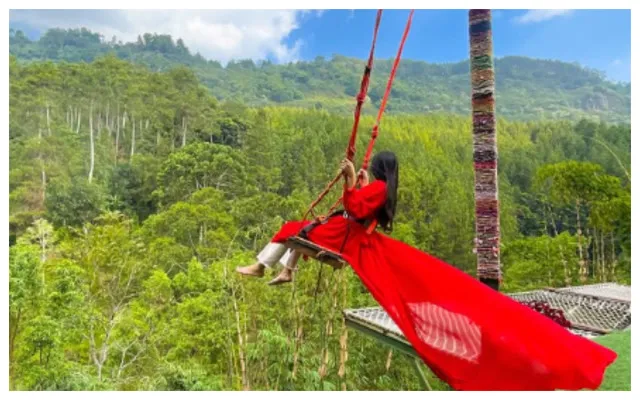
[485, 148]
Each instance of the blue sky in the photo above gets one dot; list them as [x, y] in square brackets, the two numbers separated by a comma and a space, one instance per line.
[599, 39]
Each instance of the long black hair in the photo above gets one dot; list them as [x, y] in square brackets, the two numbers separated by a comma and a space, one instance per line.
[384, 167]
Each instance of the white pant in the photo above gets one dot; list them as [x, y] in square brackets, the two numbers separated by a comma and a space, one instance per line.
[273, 253]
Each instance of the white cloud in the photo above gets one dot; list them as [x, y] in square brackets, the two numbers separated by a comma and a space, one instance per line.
[532, 16]
[619, 69]
[221, 35]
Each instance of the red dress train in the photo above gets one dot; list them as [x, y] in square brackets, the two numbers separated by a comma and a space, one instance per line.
[471, 336]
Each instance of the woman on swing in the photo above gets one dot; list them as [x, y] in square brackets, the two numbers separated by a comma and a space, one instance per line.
[471, 336]
[344, 231]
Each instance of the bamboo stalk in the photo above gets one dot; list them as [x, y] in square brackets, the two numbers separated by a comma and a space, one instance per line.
[91, 142]
[581, 263]
[48, 121]
[344, 335]
[603, 257]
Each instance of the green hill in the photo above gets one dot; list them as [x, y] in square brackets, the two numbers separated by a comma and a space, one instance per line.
[527, 89]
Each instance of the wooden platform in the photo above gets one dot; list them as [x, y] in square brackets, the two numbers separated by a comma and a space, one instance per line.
[316, 252]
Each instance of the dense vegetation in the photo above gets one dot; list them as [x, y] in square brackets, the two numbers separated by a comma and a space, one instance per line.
[134, 194]
[526, 88]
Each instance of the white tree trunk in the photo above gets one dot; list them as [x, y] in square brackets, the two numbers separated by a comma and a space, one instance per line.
[79, 118]
[107, 120]
[124, 124]
[91, 142]
[99, 125]
[48, 121]
[42, 171]
[133, 138]
[117, 135]
[184, 131]
[44, 183]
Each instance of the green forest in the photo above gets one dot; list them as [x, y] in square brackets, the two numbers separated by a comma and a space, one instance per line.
[527, 89]
[140, 178]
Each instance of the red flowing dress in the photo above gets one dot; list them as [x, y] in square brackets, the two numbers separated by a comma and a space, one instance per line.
[471, 336]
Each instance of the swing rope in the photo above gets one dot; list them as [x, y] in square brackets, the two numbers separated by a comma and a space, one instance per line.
[385, 98]
[376, 127]
[361, 97]
[364, 88]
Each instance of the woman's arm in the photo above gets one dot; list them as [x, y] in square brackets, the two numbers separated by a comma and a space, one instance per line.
[363, 203]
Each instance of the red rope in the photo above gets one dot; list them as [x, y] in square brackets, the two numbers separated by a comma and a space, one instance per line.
[364, 85]
[362, 95]
[383, 103]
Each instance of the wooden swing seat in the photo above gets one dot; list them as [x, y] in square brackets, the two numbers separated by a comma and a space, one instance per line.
[310, 249]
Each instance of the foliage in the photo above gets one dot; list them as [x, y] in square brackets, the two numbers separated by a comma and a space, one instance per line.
[527, 88]
[124, 279]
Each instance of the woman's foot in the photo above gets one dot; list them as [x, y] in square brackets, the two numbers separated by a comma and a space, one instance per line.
[286, 275]
[256, 269]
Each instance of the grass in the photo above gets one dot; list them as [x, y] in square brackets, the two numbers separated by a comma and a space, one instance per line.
[616, 378]
[618, 375]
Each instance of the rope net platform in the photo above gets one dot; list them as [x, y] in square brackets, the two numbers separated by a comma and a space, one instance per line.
[592, 310]
[606, 290]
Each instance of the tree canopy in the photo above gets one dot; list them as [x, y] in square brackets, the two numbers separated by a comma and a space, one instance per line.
[135, 193]
[527, 89]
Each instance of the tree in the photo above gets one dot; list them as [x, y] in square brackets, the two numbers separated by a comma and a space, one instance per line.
[131, 186]
[111, 255]
[73, 203]
[25, 295]
[580, 184]
[535, 262]
[201, 224]
[197, 166]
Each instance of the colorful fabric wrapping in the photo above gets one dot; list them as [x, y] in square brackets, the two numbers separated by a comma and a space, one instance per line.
[485, 150]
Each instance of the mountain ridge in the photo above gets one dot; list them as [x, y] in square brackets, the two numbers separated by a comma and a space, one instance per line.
[526, 88]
